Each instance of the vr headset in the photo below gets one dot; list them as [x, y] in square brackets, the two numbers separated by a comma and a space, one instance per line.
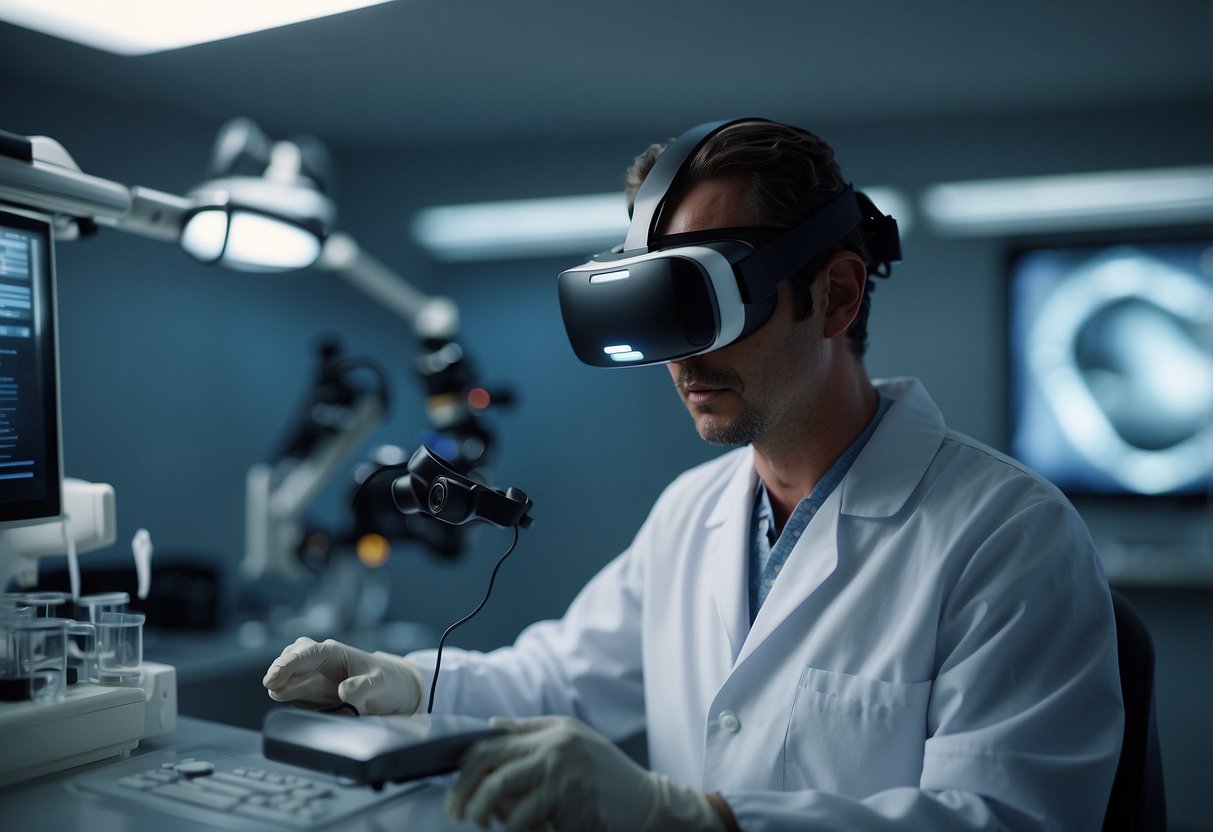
[655, 300]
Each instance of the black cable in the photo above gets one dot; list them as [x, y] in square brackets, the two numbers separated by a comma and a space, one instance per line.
[340, 706]
[438, 659]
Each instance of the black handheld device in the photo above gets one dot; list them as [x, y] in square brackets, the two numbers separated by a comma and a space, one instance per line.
[374, 750]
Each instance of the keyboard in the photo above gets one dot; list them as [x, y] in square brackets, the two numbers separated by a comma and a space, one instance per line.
[235, 790]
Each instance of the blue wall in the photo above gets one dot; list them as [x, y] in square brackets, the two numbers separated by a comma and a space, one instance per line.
[176, 377]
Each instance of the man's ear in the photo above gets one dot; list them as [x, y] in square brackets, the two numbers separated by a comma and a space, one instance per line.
[842, 280]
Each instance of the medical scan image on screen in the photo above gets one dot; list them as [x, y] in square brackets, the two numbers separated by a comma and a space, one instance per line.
[1111, 366]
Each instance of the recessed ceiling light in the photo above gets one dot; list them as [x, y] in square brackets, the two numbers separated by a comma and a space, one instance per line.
[554, 226]
[1080, 201]
[522, 228]
[137, 27]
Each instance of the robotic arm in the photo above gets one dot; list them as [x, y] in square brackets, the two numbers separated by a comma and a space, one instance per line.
[341, 412]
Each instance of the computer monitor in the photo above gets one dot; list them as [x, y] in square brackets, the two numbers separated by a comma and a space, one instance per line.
[1111, 365]
[31, 470]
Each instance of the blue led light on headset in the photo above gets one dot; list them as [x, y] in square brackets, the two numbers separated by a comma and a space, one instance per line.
[668, 298]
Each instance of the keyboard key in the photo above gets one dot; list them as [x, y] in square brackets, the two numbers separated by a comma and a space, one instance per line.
[251, 783]
[218, 786]
[196, 796]
[249, 810]
[162, 776]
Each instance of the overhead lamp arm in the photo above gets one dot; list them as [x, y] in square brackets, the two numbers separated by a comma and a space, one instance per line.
[153, 214]
[430, 316]
[38, 173]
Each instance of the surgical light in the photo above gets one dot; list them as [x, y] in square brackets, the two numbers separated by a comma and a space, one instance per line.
[248, 241]
[138, 27]
[277, 221]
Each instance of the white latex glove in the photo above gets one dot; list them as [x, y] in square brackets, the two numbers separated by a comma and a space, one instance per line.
[556, 773]
[325, 673]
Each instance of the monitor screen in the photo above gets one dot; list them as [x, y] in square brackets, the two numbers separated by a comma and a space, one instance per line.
[1111, 366]
[30, 468]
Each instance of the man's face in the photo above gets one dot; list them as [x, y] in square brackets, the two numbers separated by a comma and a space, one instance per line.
[764, 384]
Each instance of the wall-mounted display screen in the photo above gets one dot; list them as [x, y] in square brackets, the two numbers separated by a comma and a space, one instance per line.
[1111, 352]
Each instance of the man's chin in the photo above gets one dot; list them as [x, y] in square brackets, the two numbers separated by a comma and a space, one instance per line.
[718, 431]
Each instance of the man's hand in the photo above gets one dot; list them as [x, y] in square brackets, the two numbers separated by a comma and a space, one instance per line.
[556, 773]
[316, 674]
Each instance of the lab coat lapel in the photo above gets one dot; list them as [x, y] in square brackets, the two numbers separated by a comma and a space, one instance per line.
[812, 561]
[725, 553]
[898, 454]
[878, 485]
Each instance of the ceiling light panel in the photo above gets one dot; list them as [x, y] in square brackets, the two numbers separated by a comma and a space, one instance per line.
[1083, 201]
[138, 27]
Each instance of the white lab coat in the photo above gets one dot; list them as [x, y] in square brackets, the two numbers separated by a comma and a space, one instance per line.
[938, 652]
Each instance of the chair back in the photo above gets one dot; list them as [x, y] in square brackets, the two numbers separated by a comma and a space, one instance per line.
[1137, 801]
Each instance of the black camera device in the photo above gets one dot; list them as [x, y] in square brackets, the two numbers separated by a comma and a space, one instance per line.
[432, 486]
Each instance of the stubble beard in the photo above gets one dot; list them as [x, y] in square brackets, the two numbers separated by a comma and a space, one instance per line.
[743, 429]
[749, 424]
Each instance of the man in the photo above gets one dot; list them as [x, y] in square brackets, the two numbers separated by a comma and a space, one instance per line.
[855, 620]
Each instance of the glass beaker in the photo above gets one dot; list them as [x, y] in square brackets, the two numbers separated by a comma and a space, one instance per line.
[14, 685]
[82, 651]
[42, 656]
[120, 647]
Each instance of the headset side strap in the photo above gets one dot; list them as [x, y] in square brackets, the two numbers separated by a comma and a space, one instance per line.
[763, 271]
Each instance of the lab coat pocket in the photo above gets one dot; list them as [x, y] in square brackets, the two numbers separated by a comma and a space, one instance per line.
[854, 735]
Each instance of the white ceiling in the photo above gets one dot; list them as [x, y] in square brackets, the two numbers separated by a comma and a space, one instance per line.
[429, 71]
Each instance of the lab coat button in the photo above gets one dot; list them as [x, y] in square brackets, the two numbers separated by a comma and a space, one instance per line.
[730, 722]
